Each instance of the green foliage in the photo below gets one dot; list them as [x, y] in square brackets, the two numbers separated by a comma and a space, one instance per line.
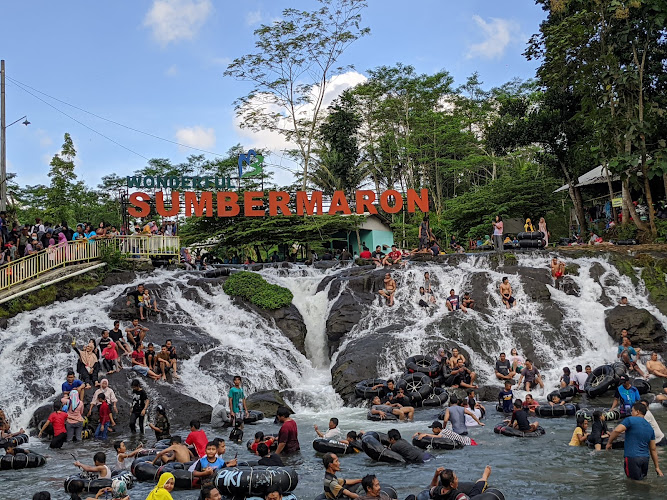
[113, 258]
[253, 287]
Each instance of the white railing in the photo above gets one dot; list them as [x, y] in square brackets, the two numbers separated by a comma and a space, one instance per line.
[77, 252]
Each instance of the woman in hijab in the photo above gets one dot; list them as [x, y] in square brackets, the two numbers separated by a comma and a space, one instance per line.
[88, 365]
[528, 226]
[165, 486]
[74, 422]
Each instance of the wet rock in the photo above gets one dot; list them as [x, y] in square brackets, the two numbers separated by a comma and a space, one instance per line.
[567, 285]
[119, 278]
[597, 272]
[287, 319]
[325, 264]
[121, 311]
[267, 402]
[644, 330]
[3, 323]
[358, 361]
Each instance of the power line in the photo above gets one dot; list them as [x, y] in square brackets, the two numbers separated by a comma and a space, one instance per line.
[80, 122]
[113, 121]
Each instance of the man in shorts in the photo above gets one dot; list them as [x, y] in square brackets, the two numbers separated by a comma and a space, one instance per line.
[531, 375]
[137, 297]
[467, 301]
[629, 355]
[639, 443]
[506, 293]
[135, 333]
[377, 408]
[389, 289]
[172, 356]
[393, 257]
[453, 303]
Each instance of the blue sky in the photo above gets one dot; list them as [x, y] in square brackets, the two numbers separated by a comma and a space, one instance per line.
[157, 65]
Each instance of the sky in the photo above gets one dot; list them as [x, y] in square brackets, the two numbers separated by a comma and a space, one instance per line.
[157, 66]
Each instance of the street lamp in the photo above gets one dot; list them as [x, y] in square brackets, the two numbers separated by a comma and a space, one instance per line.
[3, 141]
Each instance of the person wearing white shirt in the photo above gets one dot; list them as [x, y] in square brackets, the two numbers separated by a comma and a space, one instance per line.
[332, 433]
[660, 439]
[579, 378]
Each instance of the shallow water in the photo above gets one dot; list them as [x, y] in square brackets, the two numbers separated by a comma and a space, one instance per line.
[537, 468]
[543, 467]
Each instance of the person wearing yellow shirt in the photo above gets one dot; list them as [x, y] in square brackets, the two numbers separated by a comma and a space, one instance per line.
[579, 435]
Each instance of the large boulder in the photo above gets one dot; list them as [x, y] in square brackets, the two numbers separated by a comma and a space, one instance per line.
[644, 329]
[287, 319]
[267, 402]
[568, 286]
[121, 311]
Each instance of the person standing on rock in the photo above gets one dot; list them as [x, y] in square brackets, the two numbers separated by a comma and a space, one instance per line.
[288, 435]
[425, 234]
[140, 403]
[237, 403]
[138, 297]
[498, 233]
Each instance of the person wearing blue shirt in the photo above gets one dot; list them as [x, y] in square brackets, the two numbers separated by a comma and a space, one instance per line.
[206, 466]
[626, 395]
[639, 443]
[72, 383]
[506, 398]
[628, 355]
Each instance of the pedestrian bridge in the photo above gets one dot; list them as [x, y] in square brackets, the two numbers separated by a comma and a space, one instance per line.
[72, 258]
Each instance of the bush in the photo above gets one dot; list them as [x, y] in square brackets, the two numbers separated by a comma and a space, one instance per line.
[253, 287]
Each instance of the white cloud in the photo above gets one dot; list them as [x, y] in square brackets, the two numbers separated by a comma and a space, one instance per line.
[498, 34]
[172, 70]
[253, 17]
[197, 137]
[277, 143]
[174, 20]
[44, 140]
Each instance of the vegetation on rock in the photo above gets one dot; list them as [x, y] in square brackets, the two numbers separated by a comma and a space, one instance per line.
[254, 288]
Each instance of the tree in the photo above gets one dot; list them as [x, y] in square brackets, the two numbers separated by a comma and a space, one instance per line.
[292, 68]
[60, 204]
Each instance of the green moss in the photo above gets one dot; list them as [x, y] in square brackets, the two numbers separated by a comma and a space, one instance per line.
[572, 269]
[626, 266]
[29, 302]
[510, 259]
[253, 287]
[653, 273]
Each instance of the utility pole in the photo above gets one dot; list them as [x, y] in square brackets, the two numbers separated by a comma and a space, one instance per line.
[3, 141]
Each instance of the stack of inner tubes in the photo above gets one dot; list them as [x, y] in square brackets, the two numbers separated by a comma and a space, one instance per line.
[533, 239]
[364, 389]
[17, 440]
[21, 461]
[254, 480]
[439, 397]
[506, 430]
[418, 387]
[437, 443]
[422, 364]
[92, 484]
[601, 380]
[333, 446]
[566, 410]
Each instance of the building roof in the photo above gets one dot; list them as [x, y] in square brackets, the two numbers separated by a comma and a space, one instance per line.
[594, 176]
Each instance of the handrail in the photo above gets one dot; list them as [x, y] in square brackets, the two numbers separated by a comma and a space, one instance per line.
[31, 266]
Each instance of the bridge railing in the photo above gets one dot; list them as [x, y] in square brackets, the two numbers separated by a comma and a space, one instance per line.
[79, 251]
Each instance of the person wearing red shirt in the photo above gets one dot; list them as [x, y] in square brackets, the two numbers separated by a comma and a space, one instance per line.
[393, 257]
[106, 418]
[288, 435]
[57, 420]
[197, 437]
[366, 254]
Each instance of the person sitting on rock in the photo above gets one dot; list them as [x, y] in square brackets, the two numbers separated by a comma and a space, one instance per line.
[403, 413]
[378, 256]
[393, 257]
[139, 363]
[504, 369]
[629, 355]
[88, 364]
[220, 415]
[531, 375]
[467, 301]
[332, 433]
[623, 302]
[453, 303]
[656, 367]
[176, 452]
[72, 383]
[462, 376]
[135, 333]
[506, 294]
[173, 357]
[150, 301]
[454, 359]
[389, 289]
[137, 296]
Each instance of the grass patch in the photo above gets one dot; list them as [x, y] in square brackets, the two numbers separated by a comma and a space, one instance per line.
[253, 287]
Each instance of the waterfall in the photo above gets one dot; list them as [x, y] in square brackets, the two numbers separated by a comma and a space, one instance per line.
[34, 353]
